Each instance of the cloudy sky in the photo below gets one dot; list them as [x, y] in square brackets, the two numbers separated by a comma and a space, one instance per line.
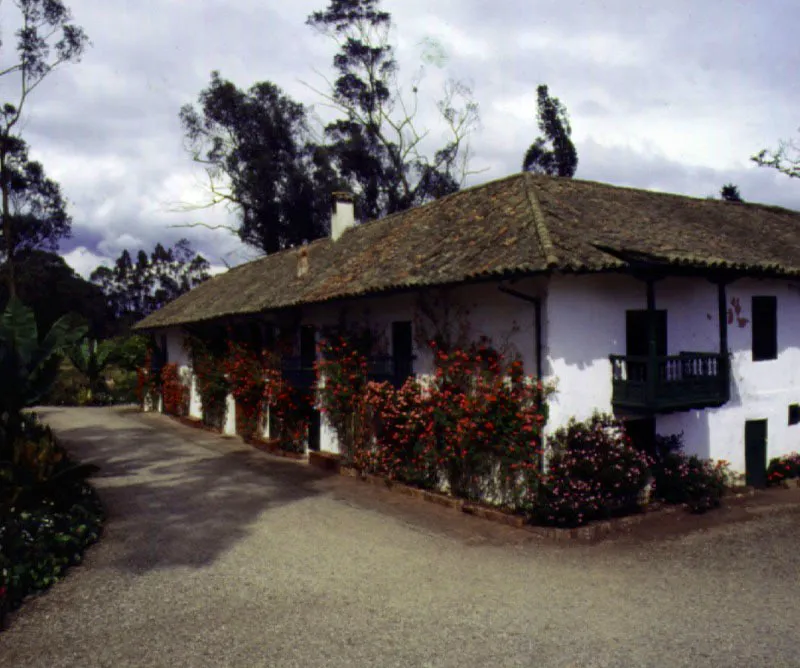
[671, 96]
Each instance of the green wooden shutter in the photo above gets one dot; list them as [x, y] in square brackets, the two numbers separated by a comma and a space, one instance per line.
[765, 328]
[755, 452]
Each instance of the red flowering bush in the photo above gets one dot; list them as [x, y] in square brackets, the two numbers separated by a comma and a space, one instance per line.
[342, 392]
[148, 382]
[488, 421]
[404, 447]
[476, 425]
[290, 411]
[594, 473]
[246, 371]
[174, 393]
[783, 468]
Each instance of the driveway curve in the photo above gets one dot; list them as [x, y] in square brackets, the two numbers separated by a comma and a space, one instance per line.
[216, 554]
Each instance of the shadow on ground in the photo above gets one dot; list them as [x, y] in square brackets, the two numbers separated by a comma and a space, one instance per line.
[176, 498]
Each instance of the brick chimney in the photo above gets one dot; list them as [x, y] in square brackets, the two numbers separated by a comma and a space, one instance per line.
[343, 214]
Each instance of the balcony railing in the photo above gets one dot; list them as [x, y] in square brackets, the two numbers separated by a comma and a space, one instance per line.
[670, 383]
[300, 373]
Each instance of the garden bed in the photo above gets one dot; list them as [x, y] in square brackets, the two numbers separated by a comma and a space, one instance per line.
[649, 518]
[41, 540]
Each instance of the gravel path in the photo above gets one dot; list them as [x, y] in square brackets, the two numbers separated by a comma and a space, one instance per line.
[218, 555]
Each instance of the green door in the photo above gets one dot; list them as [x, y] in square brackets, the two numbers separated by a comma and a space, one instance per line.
[755, 452]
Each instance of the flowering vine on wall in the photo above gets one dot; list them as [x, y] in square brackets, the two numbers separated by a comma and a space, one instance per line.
[253, 376]
[212, 384]
[476, 425]
[174, 393]
[341, 390]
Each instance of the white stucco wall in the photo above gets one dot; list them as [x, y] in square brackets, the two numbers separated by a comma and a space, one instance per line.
[585, 323]
[477, 310]
[176, 354]
[229, 425]
[195, 406]
[759, 390]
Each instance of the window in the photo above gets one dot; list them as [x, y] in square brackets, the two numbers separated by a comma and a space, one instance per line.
[308, 346]
[402, 350]
[765, 328]
[637, 333]
[794, 414]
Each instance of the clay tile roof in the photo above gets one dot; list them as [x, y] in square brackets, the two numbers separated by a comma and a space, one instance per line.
[520, 225]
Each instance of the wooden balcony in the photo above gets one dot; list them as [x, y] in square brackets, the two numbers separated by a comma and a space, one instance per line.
[670, 383]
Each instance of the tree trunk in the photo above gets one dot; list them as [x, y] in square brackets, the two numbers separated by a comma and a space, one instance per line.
[7, 231]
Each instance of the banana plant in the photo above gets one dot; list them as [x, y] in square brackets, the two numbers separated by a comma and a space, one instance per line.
[28, 366]
[91, 359]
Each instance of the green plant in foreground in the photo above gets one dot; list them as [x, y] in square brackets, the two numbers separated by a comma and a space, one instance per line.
[39, 542]
[28, 366]
[92, 358]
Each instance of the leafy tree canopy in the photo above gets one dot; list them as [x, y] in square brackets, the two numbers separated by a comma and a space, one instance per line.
[37, 210]
[553, 153]
[279, 173]
[136, 288]
[52, 289]
[279, 179]
[31, 205]
[376, 144]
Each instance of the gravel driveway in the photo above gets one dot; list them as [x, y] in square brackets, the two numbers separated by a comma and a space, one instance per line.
[218, 555]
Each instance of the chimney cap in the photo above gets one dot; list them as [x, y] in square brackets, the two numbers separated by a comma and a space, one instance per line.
[342, 196]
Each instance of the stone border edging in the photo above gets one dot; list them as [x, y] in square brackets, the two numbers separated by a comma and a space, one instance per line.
[269, 446]
[591, 533]
[272, 447]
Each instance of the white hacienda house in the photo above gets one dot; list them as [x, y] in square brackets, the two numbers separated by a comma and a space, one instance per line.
[676, 314]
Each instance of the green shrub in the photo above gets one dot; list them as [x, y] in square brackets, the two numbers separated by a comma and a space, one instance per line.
[38, 543]
[679, 478]
[594, 472]
[48, 514]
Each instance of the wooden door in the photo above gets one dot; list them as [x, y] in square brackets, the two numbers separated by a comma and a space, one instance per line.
[755, 452]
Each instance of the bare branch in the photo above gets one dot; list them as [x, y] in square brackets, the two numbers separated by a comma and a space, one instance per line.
[786, 158]
[9, 70]
[208, 226]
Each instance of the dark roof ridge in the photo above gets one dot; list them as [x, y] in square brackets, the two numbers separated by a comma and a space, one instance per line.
[540, 225]
[775, 208]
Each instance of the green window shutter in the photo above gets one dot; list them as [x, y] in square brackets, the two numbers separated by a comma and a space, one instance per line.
[765, 328]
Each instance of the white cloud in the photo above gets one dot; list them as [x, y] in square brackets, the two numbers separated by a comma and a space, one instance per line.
[674, 96]
[84, 261]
